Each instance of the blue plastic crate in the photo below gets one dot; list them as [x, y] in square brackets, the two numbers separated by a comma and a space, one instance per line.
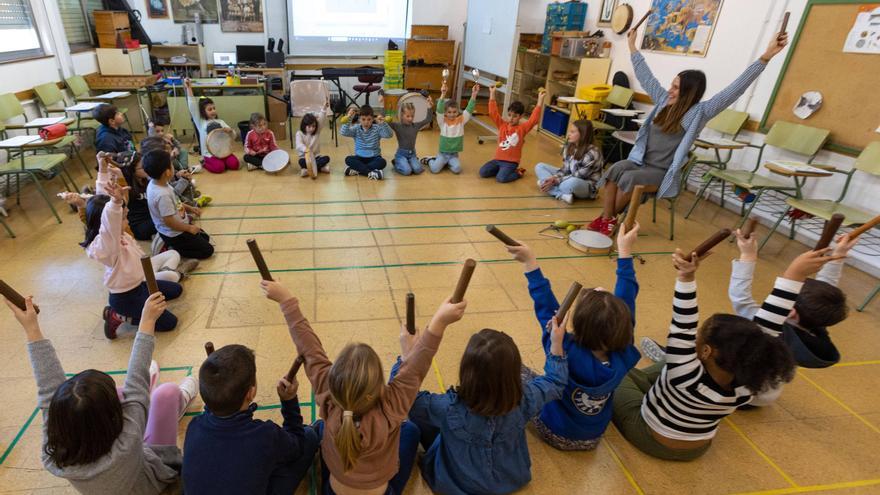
[554, 121]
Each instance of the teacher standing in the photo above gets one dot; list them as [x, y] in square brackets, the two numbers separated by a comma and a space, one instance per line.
[662, 144]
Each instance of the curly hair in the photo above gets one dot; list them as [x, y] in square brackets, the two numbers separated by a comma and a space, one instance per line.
[757, 360]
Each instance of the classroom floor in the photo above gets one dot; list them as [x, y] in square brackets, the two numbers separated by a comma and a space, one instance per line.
[352, 248]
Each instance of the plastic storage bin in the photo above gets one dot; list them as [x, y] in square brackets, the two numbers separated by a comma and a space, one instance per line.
[554, 121]
[596, 92]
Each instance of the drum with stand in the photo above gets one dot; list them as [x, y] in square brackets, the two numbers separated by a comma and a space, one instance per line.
[276, 161]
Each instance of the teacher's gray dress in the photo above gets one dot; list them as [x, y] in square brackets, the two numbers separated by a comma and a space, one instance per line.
[659, 154]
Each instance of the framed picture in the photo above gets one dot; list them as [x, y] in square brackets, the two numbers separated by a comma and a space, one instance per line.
[241, 16]
[185, 11]
[606, 12]
[681, 27]
[157, 9]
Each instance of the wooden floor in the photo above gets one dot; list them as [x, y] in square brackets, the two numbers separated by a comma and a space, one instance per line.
[351, 249]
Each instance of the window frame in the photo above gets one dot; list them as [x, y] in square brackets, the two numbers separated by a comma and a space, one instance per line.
[30, 53]
[90, 31]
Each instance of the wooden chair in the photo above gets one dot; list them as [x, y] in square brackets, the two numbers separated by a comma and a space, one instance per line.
[24, 160]
[10, 108]
[795, 138]
[728, 123]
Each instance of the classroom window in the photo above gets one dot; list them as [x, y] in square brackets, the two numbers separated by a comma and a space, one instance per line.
[18, 33]
[76, 15]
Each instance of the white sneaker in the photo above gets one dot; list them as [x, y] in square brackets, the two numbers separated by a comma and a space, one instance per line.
[652, 350]
[157, 245]
[196, 169]
[567, 198]
[251, 167]
[376, 175]
[189, 390]
[325, 169]
[303, 172]
[539, 183]
[154, 374]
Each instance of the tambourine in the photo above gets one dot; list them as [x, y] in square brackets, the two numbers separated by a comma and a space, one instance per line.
[275, 161]
[590, 242]
[219, 142]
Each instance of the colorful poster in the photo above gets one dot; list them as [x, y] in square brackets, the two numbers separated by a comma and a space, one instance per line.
[241, 16]
[157, 9]
[864, 37]
[681, 27]
[186, 10]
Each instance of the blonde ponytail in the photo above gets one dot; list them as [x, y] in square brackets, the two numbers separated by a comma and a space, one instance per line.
[356, 385]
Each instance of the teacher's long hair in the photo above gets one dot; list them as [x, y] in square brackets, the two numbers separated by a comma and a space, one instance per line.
[691, 86]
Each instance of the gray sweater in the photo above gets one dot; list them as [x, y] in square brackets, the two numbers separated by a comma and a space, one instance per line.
[130, 468]
[406, 133]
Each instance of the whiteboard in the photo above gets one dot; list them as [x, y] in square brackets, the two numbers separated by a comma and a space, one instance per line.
[490, 39]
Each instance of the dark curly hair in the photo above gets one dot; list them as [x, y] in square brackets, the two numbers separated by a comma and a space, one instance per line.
[820, 305]
[757, 360]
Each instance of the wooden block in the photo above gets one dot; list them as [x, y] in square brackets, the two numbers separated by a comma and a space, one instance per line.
[110, 21]
[431, 51]
[430, 31]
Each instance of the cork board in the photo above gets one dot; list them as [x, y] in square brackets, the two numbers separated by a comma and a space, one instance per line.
[849, 82]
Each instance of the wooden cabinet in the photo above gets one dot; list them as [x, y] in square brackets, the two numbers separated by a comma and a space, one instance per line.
[430, 52]
[426, 57]
[118, 62]
[431, 31]
[195, 64]
[430, 78]
[110, 24]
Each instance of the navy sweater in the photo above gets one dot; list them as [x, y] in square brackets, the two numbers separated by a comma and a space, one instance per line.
[113, 140]
[584, 410]
[238, 454]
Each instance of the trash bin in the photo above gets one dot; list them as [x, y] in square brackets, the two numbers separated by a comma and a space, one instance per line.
[597, 93]
[243, 127]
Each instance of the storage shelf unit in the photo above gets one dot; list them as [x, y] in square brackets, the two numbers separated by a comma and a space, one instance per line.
[195, 65]
[435, 53]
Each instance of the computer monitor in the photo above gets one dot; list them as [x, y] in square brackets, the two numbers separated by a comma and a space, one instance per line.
[251, 54]
[225, 58]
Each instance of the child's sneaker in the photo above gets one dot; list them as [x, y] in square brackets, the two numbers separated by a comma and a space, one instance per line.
[204, 200]
[520, 171]
[186, 267]
[350, 172]
[596, 224]
[111, 322]
[303, 172]
[567, 198]
[251, 167]
[189, 390]
[376, 175]
[325, 169]
[196, 169]
[652, 350]
[426, 160]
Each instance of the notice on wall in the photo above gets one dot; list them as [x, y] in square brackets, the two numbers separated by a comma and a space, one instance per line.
[864, 37]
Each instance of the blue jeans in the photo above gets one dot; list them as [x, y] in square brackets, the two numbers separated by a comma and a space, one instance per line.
[443, 159]
[409, 446]
[503, 171]
[407, 163]
[285, 479]
[131, 303]
[365, 165]
[576, 186]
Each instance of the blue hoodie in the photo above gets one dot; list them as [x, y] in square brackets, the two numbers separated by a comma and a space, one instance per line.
[112, 140]
[584, 410]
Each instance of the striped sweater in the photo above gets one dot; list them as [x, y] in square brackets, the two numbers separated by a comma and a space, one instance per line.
[452, 130]
[366, 141]
[685, 403]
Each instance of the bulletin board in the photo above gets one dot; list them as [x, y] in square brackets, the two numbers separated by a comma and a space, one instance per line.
[849, 82]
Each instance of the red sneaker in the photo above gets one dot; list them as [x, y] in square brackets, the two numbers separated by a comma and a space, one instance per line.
[596, 224]
[111, 322]
[608, 227]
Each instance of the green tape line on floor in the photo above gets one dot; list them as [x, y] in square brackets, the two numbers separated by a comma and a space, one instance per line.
[405, 265]
[381, 200]
[429, 212]
[368, 229]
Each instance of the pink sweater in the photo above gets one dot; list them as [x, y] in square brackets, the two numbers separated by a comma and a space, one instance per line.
[260, 143]
[117, 251]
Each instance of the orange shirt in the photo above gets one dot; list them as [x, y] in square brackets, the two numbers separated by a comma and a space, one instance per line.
[511, 137]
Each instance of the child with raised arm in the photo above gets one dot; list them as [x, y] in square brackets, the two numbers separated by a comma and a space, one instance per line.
[599, 348]
[204, 114]
[367, 131]
[405, 160]
[308, 138]
[100, 438]
[511, 138]
[671, 410]
[451, 121]
[367, 445]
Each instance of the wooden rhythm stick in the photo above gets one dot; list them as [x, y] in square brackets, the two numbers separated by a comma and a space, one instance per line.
[633, 209]
[831, 227]
[209, 348]
[411, 313]
[149, 276]
[785, 23]
[709, 243]
[501, 236]
[294, 368]
[463, 280]
[258, 259]
[14, 297]
[870, 224]
[749, 227]
[572, 294]
[642, 20]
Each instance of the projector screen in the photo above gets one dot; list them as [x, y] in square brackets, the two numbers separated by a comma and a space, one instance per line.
[347, 27]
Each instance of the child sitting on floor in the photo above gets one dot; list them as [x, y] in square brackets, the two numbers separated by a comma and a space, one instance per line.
[367, 159]
[451, 121]
[111, 137]
[183, 182]
[581, 166]
[101, 438]
[308, 138]
[511, 137]
[366, 446]
[259, 142]
[204, 114]
[178, 157]
[600, 349]
[227, 450]
[169, 215]
[405, 161]
[474, 434]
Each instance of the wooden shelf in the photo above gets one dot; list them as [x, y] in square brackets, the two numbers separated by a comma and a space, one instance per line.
[560, 109]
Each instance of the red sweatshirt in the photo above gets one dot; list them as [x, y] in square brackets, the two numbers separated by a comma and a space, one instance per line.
[260, 143]
[511, 137]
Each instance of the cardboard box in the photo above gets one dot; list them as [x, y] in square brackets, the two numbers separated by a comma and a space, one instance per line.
[277, 110]
[279, 129]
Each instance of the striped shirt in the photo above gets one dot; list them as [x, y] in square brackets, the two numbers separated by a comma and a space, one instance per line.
[685, 403]
[366, 141]
[692, 122]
